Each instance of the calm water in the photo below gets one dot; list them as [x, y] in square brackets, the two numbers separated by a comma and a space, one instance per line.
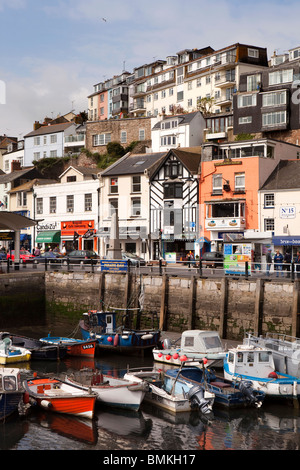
[273, 427]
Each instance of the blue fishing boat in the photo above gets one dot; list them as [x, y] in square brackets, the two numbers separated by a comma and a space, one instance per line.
[11, 392]
[74, 347]
[103, 327]
[229, 394]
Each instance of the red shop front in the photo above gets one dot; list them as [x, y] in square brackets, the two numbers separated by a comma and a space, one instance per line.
[79, 235]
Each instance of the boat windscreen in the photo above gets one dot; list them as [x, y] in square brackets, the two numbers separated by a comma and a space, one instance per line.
[212, 342]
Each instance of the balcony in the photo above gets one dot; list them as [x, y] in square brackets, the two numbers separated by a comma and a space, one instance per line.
[75, 140]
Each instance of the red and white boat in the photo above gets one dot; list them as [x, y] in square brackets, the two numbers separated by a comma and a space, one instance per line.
[56, 395]
[75, 347]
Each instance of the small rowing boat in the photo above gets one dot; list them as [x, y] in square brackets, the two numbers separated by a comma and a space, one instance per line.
[75, 347]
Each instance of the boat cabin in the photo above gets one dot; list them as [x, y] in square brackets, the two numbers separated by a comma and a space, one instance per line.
[250, 361]
[195, 341]
[10, 380]
[102, 322]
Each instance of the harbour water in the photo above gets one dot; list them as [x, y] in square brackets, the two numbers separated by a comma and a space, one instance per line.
[275, 426]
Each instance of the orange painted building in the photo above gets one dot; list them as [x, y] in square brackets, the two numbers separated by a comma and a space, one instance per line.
[231, 175]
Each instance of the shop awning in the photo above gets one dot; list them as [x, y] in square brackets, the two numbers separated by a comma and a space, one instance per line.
[48, 237]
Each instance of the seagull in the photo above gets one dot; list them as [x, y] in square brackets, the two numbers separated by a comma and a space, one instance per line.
[104, 20]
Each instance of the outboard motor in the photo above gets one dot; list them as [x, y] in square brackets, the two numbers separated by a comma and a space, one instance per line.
[167, 343]
[196, 397]
[245, 386]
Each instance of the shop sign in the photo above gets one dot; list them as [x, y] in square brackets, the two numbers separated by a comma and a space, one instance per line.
[287, 212]
[80, 226]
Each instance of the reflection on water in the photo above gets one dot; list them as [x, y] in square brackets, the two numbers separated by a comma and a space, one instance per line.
[274, 426]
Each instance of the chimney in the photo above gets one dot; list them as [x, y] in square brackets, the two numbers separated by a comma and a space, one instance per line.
[15, 165]
[36, 125]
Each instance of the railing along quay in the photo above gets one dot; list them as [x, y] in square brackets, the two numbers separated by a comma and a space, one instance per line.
[289, 272]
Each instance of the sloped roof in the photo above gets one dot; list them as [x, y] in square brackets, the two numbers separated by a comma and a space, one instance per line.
[285, 176]
[133, 164]
[29, 184]
[51, 129]
[191, 160]
[84, 170]
[182, 119]
[8, 177]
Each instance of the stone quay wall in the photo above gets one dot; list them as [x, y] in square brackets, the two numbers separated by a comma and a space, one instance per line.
[229, 305]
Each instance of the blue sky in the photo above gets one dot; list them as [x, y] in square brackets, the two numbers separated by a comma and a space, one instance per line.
[54, 51]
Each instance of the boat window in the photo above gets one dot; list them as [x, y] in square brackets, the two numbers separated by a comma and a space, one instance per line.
[239, 357]
[212, 342]
[230, 357]
[189, 341]
[10, 383]
[263, 356]
[250, 357]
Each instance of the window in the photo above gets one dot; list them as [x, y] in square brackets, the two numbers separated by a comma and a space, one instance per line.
[135, 207]
[274, 99]
[280, 76]
[53, 153]
[36, 141]
[253, 82]
[52, 205]
[217, 183]
[246, 100]
[141, 134]
[114, 186]
[173, 191]
[245, 120]
[136, 184]
[269, 200]
[168, 140]
[45, 140]
[88, 202]
[70, 203]
[180, 96]
[113, 206]
[173, 169]
[21, 199]
[71, 179]
[269, 224]
[253, 53]
[101, 139]
[274, 119]
[123, 137]
[198, 82]
[36, 155]
[179, 75]
[239, 181]
[39, 205]
[53, 139]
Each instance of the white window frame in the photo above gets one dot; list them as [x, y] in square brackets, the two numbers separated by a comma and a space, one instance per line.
[245, 101]
[239, 181]
[269, 200]
[217, 183]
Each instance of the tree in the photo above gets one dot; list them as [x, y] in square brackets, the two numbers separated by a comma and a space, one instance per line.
[205, 104]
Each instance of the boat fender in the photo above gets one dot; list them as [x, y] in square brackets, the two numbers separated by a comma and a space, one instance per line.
[246, 387]
[160, 354]
[196, 398]
[273, 375]
[175, 356]
[116, 340]
[147, 336]
[109, 339]
[168, 357]
[26, 398]
[46, 404]
[183, 358]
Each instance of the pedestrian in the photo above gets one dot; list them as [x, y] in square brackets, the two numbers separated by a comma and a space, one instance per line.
[287, 260]
[37, 251]
[278, 260]
[63, 250]
[297, 263]
[269, 261]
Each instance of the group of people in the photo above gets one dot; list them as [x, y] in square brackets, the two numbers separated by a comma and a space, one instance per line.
[283, 262]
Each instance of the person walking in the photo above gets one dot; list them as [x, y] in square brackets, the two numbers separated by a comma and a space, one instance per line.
[278, 260]
[269, 261]
[297, 263]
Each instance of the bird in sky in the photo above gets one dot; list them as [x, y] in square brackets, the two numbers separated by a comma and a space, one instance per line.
[103, 19]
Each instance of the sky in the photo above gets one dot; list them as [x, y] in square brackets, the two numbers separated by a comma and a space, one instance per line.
[54, 51]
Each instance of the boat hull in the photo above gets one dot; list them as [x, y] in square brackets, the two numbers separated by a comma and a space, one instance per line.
[177, 357]
[66, 399]
[85, 348]
[116, 393]
[9, 403]
[15, 358]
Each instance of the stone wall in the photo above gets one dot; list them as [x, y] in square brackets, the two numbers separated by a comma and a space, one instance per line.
[230, 306]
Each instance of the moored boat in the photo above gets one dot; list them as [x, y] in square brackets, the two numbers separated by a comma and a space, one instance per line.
[38, 349]
[75, 347]
[196, 398]
[10, 354]
[110, 391]
[58, 396]
[254, 363]
[11, 392]
[228, 393]
[195, 345]
[103, 327]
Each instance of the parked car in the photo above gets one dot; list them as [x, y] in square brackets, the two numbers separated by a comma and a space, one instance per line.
[80, 257]
[134, 259]
[25, 256]
[50, 256]
[212, 259]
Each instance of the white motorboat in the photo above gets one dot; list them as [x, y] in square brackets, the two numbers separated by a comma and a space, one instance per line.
[194, 347]
[254, 363]
[197, 398]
